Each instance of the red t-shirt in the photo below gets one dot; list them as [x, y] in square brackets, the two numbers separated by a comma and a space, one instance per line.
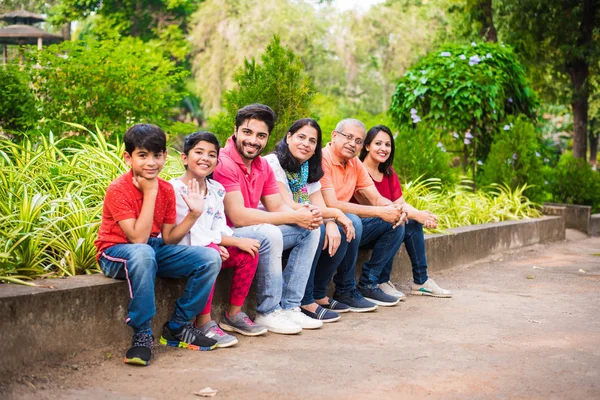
[389, 187]
[234, 176]
[124, 201]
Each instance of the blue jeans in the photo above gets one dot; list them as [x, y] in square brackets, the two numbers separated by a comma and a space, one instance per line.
[414, 241]
[140, 264]
[324, 266]
[385, 242]
[276, 288]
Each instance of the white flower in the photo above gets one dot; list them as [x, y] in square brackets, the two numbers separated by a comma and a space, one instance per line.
[415, 92]
[455, 135]
[440, 144]
[468, 135]
[423, 80]
[474, 60]
[537, 154]
[479, 162]
[467, 141]
[445, 54]
[462, 57]
[415, 119]
[473, 44]
[423, 72]
[506, 127]
[488, 55]
[413, 111]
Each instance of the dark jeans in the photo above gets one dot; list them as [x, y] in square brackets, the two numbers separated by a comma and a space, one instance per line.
[414, 240]
[140, 264]
[324, 266]
[385, 242]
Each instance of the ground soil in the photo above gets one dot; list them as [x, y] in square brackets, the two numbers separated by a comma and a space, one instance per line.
[521, 325]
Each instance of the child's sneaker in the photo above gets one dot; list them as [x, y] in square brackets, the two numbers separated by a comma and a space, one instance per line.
[187, 337]
[241, 323]
[211, 330]
[141, 350]
[430, 288]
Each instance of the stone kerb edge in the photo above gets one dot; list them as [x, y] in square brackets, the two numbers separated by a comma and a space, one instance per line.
[84, 312]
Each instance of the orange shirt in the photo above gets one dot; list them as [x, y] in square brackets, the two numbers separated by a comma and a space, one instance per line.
[345, 180]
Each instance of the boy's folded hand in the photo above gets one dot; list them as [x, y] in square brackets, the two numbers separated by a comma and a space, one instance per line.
[145, 185]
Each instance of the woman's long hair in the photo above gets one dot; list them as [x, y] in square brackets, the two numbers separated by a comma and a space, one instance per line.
[385, 167]
[288, 161]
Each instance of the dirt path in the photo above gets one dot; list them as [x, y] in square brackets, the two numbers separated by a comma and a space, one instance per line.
[502, 336]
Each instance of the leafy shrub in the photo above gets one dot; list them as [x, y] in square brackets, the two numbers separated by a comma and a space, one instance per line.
[17, 104]
[113, 83]
[418, 155]
[279, 82]
[515, 159]
[574, 182]
[467, 89]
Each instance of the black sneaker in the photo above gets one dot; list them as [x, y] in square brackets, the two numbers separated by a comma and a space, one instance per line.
[356, 301]
[378, 297]
[141, 350]
[186, 337]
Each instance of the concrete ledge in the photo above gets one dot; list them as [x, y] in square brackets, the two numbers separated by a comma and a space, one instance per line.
[594, 225]
[77, 313]
[577, 217]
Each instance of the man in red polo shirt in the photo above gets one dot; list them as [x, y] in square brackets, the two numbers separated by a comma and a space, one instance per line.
[248, 179]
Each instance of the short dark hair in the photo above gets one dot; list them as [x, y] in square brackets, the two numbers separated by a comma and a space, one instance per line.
[287, 160]
[145, 136]
[192, 140]
[385, 167]
[256, 111]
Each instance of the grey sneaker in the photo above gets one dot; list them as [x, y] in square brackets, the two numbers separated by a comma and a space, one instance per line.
[430, 288]
[241, 323]
[212, 330]
[389, 288]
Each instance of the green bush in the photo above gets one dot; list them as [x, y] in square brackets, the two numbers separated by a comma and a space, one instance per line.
[279, 82]
[113, 83]
[574, 182]
[515, 159]
[467, 90]
[418, 154]
[17, 104]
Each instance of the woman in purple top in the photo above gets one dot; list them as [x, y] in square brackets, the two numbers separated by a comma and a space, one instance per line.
[377, 156]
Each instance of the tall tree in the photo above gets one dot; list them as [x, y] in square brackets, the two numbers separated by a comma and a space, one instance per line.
[560, 38]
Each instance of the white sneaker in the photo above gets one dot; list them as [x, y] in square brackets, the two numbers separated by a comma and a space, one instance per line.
[430, 288]
[302, 320]
[277, 322]
[389, 288]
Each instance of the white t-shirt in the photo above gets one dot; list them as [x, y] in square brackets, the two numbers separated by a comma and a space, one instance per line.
[281, 177]
[212, 223]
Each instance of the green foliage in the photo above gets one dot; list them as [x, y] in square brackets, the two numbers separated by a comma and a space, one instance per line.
[574, 182]
[17, 104]
[516, 159]
[279, 82]
[51, 196]
[464, 88]
[418, 155]
[112, 83]
[458, 206]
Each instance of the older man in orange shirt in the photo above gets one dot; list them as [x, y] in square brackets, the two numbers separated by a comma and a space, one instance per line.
[378, 225]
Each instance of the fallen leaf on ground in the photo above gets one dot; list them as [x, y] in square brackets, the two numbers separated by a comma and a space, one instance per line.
[531, 277]
[535, 267]
[206, 392]
[581, 271]
[534, 321]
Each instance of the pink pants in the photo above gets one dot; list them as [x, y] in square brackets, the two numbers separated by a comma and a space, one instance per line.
[244, 269]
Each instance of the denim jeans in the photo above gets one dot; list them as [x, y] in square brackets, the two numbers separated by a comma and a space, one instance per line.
[276, 288]
[414, 241]
[324, 267]
[385, 242]
[140, 264]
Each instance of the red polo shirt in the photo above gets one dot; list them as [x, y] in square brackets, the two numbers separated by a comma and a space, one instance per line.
[234, 176]
[124, 201]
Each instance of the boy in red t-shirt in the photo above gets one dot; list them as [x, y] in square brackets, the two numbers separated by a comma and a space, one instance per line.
[139, 206]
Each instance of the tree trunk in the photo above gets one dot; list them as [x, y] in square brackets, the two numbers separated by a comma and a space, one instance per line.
[593, 143]
[579, 71]
[488, 30]
[66, 31]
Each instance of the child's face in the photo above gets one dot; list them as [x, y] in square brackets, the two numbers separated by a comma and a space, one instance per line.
[145, 163]
[201, 160]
